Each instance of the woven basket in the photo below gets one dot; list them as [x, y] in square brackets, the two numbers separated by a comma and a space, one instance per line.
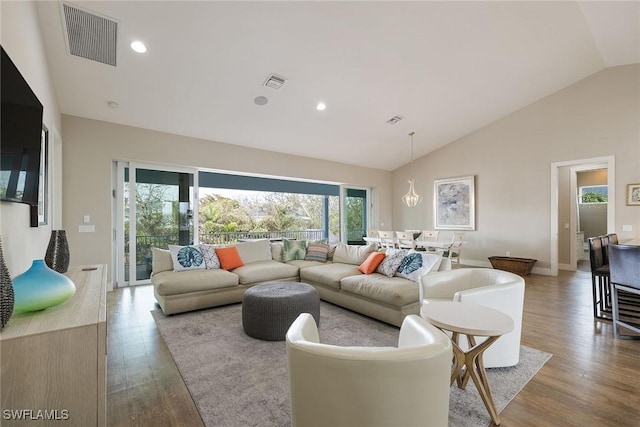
[520, 266]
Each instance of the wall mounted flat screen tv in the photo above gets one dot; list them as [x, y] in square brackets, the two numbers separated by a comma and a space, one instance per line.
[20, 136]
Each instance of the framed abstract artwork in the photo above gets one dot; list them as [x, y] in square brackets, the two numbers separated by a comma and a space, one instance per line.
[454, 203]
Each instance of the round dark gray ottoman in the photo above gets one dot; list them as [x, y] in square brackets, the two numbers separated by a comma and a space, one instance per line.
[269, 309]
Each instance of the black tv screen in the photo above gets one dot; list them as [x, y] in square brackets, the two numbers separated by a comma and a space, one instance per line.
[20, 136]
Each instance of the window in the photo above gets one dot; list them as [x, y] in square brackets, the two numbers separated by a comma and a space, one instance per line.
[593, 194]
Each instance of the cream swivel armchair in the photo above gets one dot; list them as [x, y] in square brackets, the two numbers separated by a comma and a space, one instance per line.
[491, 288]
[369, 386]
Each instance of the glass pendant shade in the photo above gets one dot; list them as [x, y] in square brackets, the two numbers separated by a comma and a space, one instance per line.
[411, 199]
[41, 287]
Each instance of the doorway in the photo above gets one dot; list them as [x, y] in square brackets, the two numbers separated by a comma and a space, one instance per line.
[564, 197]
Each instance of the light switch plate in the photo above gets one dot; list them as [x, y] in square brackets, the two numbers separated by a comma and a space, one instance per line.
[627, 228]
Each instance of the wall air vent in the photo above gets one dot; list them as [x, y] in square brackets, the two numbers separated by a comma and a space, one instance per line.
[275, 82]
[90, 36]
[395, 119]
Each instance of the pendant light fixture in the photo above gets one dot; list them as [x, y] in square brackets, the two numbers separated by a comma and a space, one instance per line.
[411, 199]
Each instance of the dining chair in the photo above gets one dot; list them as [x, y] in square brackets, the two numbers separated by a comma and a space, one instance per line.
[624, 265]
[425, 237]
[405, 240]
[604, 241]
[599, 279]
[454, 251]
[387, 239]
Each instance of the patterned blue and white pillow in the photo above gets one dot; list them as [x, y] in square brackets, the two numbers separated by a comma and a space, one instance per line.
[417, 264]
[211, 259]
[392, 260]
[186, 258]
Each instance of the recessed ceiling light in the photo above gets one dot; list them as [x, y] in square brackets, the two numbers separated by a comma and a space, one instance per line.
[321, 106]
[138, 46]
[260, 100]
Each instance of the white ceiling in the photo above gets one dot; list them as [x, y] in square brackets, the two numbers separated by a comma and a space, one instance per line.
[448, 67]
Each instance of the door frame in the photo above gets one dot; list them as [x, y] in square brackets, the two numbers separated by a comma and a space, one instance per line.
[118, 215]
[605, 162]
[343, 209]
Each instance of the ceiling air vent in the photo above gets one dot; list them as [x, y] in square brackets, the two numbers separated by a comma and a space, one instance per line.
[275, 82]
[395, 119]
[90, 36]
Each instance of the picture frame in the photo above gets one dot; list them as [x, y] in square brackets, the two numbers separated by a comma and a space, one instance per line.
[40, 213]
[454, 203]
[633, 194]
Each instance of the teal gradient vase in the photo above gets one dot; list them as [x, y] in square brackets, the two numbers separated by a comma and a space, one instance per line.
[41, 287]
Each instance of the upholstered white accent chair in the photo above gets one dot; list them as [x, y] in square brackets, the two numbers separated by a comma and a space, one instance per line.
[369, 386]
[496, 289]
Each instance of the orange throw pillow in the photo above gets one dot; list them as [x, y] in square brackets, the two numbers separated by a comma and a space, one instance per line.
[371, 263]
[229, 257]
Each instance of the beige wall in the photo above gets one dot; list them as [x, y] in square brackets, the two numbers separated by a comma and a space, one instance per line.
[22, 40]
[511, 160]
[91, 146]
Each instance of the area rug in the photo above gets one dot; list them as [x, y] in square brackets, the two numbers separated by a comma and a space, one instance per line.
[239, 381]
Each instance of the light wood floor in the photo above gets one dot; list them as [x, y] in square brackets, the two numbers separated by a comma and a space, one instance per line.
[591, 380]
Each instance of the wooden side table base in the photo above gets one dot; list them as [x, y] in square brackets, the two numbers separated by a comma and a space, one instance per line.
[474, 368]
[471, 320]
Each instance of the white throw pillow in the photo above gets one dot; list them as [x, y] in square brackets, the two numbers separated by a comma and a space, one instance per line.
[417, 264]
[392, 260]
[186, 258]
[211, 259]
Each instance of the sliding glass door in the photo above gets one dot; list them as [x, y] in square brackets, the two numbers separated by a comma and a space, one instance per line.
[155, 209]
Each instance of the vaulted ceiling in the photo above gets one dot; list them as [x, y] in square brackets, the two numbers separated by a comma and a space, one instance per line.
[448, 68]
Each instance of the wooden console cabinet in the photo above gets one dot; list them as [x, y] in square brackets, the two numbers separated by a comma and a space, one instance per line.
[53, 362]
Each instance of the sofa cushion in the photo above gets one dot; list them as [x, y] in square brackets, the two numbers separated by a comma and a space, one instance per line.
[258, 250]
[229, 257]
[170, 283]
[186, 257]
[353, 254]
[328, 274]
[317, 252]
[394, 291]
[160, 260]
[301, 263]
[294, 249]
[263, 271]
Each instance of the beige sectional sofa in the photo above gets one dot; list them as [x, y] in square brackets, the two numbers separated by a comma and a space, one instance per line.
[338, 281]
